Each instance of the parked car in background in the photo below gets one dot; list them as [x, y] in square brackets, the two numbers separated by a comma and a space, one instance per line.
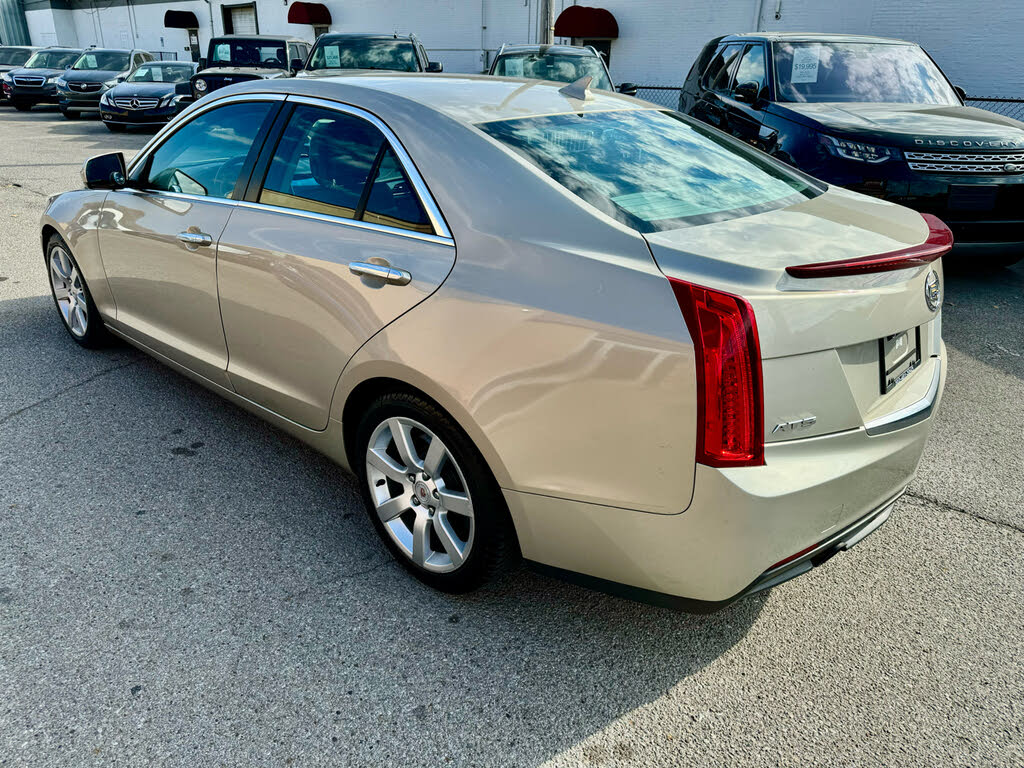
[12, 57]
[148, 96]
[337, 52]
[36, 82]
[239, 58]
[874, 115]
[95, 72]
[641, 371]
[561, 63]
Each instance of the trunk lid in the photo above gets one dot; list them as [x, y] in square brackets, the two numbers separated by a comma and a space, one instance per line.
[820, 337]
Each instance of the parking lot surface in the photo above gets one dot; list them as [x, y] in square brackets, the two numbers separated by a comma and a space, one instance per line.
[181, 584]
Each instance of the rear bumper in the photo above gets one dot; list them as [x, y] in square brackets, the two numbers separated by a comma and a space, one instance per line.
[810, 497]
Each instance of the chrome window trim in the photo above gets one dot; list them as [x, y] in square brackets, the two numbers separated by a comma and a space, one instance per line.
[190, 114]
[422, 192]
[179, 196]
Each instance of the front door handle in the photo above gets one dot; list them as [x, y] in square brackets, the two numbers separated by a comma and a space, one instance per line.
[195, 239]
[380, 272]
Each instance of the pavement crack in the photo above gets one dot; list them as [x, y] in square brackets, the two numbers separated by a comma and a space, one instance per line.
[961, 510]
[58, 393]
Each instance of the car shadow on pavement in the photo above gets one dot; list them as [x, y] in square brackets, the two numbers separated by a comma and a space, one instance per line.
[185, 578]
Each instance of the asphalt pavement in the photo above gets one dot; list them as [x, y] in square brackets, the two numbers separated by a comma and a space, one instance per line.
[183, 585]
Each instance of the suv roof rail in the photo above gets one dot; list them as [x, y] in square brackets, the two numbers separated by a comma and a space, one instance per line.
[501, 50]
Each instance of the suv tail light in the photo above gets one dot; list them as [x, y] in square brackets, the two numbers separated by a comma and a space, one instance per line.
[730, 397]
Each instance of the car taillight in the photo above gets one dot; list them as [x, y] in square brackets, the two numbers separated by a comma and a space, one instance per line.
[730, 397]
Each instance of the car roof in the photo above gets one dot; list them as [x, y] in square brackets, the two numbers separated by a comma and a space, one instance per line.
[21, 47]
[364, 35]
[812, 36]
[271, 38]
[111, 50]
[563, 50]
[468, 99]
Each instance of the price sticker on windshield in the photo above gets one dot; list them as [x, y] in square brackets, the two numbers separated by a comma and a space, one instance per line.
[805, 64]
[332, 56]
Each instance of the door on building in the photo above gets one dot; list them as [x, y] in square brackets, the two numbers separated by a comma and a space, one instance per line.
[240, 19]
[193, 44]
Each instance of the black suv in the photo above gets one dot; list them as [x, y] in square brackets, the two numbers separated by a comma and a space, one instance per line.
[874, 115]
[94, 73]
[338, 52]
[237, 58]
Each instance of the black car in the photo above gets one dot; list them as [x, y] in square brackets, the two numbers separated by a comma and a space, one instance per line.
[12, 57]
[874, 115]
[237, 58]
[96, 71]
[148, 96]
[338, 52]
[36, 82]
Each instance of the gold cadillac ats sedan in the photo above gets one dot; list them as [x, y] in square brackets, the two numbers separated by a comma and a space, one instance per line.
[532, 319]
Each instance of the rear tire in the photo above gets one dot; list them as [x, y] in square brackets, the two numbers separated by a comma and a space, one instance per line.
[433, 500]
[72, 298]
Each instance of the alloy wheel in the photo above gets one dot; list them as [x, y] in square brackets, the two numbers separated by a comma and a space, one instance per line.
[420, 494]
[69, 291]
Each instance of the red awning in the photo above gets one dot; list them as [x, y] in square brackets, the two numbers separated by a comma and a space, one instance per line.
[309, 13]
[180, 20]
[581, 21]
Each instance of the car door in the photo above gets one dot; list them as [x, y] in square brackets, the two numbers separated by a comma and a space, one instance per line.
[338, 236]
[717, 80]
[744, 119]
[158, 236]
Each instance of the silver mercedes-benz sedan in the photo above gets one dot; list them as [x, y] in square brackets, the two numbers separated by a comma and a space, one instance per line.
[532, 319]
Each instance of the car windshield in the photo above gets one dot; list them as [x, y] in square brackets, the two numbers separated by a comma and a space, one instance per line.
[161, 73]
[564, 68]
[363, 53]
[15, 56]
[250, 53]
[52, 59]
[874, 72]
[110, 61]
[652, 170]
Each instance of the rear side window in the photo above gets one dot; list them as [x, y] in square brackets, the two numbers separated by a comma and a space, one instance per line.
[652, 170]
[337, 164]
[206, 155]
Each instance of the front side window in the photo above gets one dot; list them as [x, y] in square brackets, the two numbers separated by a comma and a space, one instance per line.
[205, 156]
[652, 170]
[561, 68]
[52, 59]
[363, 53]
[719, 72]
[14, 56]
[249, 53]
[868, 72]
[751, 68]
[161, 73]
[323, 164]
[111, 61]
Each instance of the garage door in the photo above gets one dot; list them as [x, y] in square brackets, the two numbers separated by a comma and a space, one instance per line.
[243, 20]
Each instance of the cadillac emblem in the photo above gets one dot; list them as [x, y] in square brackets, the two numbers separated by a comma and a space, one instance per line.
[932, 291]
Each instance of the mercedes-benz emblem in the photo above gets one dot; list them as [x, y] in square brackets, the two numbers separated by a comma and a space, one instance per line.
[135, 104]
[932, 291]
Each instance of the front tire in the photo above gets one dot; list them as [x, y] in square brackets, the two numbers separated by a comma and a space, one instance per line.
[69, 114]
[72, 298]
[23, 106]
[115, 127]
[430, 494]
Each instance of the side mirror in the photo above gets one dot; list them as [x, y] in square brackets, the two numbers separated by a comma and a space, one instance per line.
[202, 62]
[104, 171]
[747, 92]
[297, 65]
[435, 66]
[122, 78]
[960, 92]
[628, 89]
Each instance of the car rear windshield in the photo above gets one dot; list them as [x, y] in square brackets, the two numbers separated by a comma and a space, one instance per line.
[875, 72]
[249, 53]
[161, 73]
[110, 61]
[357, 53]
[15, 56]
[652, 170]
[559, 67]
[52, 59]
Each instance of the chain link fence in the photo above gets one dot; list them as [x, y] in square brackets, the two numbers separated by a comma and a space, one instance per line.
[667, 96]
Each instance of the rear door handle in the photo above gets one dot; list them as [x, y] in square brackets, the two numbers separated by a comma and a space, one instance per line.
[195, 238]
[380, 272]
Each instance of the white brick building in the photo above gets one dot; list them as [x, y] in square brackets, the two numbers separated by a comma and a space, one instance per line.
[977, 44]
